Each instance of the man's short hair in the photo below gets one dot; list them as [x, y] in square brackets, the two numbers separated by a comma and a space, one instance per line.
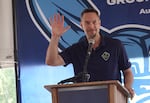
[88, 10]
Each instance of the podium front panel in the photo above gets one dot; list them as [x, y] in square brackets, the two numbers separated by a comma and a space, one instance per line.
[86, 94]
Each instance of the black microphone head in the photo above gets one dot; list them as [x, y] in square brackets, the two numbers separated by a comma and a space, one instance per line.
[91, 41]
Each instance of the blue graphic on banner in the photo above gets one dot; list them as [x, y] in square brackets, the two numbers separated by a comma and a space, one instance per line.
[127, 20]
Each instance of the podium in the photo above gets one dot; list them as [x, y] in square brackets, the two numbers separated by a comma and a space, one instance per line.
[89, 92]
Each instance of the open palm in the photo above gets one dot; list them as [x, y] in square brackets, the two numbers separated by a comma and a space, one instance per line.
[57, 24]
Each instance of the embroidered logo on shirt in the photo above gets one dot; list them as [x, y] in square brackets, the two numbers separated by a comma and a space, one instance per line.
[105, 56]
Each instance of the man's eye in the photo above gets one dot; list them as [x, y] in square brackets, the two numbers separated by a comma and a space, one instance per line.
[87, 23]
[94, 22]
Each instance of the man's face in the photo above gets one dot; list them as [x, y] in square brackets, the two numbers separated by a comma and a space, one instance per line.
[90, 24]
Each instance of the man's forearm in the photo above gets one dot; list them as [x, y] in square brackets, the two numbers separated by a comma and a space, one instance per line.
[128, 81]
[128, 78]
[52, 51]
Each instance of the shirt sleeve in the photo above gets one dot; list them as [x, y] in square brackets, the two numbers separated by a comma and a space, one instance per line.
[123, 61]
[66, 56]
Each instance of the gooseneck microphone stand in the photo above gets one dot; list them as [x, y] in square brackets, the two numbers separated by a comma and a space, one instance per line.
[83, 76]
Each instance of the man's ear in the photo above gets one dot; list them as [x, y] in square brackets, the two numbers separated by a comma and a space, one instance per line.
[81, 25]
[100, 21]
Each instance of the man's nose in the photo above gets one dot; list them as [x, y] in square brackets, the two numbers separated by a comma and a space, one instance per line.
[92, 25]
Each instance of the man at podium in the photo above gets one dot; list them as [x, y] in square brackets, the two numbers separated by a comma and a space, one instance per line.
[96, 57]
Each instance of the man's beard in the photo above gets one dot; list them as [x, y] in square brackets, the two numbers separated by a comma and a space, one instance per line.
[92, 36]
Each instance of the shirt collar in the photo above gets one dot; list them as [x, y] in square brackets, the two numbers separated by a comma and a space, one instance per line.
[102, 43]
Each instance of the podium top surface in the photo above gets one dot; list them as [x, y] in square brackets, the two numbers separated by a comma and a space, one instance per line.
[83, 84]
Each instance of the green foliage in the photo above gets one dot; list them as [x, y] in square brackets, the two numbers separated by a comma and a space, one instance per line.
[7, 85]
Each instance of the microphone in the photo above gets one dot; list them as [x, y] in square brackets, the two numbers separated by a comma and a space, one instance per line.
[72, 79]
[75, 79]
[91, 42]
[83, 76]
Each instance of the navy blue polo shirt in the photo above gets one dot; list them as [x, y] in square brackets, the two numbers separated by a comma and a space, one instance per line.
[105, 62]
